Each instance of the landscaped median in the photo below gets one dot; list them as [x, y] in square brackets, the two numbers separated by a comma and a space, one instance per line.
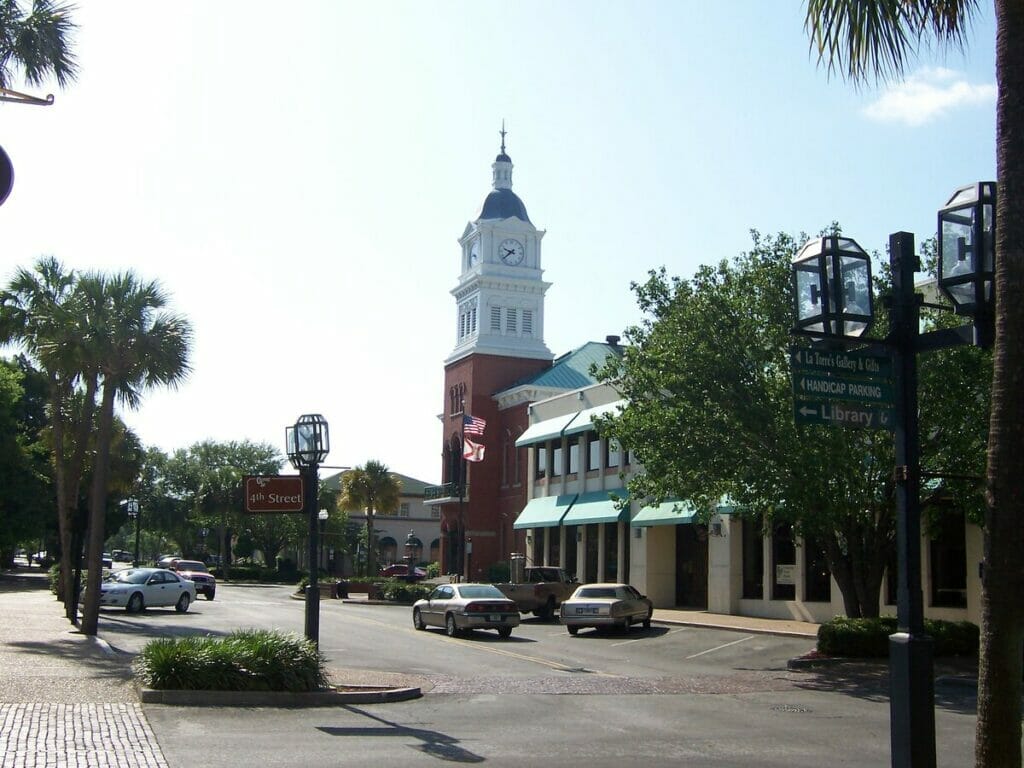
[248, 668]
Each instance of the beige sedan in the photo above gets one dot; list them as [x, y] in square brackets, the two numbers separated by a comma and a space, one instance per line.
[606, 605]
[462, 607]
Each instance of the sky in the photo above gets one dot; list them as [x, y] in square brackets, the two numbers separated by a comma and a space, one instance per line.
[296, 178]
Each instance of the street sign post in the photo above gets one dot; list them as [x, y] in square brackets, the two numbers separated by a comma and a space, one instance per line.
[273, 493]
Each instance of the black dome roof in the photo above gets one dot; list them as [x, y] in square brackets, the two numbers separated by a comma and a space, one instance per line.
[503, 204]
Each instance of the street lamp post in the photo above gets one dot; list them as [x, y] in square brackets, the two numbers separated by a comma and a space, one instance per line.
[307, 444]
[825, 287]
[132, 506]
[411, 545]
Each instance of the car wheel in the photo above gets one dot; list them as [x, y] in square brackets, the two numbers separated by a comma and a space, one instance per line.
[417, 620]
[135, 603]
[209, 595]
[573, 630]
[505, 632]
[449, 626]
[183, 602]
[627, 623]
[647, 620]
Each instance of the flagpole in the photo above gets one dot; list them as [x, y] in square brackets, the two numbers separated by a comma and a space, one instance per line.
[462, 485]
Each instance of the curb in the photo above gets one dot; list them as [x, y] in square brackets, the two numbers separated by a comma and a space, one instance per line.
[353, 694]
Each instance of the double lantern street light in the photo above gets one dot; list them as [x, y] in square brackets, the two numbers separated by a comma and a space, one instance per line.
[834, 306]
[132, 507]
[307, 444]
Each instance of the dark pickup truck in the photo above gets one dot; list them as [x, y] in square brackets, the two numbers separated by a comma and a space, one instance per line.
[543, 591]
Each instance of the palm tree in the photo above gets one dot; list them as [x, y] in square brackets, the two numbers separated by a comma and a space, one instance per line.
[864, 37]
[137, 345]
[41, 311]
[37, 44]
[373, 489]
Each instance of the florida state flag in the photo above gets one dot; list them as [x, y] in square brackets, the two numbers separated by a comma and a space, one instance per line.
[472, 451]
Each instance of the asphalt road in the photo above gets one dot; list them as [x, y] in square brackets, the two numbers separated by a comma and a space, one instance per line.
[664, 696]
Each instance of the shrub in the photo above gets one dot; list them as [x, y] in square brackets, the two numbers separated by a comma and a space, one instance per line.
[246, 660]
[869, 638]
[433, 570]
[400, 591]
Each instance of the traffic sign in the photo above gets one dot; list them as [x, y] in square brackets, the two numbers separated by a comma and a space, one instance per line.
[843, 414]
[841, 388]
[837, 362]
[273, 493]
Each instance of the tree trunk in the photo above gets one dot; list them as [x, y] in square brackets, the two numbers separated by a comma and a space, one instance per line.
[371, 550]
[97, 512]
[998, 734]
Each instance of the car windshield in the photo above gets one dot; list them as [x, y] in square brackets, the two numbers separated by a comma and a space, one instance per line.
[480, 590]
[596, 592]
[190, 565]
[129, 576]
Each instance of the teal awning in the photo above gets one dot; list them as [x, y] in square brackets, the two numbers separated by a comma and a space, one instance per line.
[596, 507]
[585, 419]
[542, 431]
[544, 512]
[666, 513]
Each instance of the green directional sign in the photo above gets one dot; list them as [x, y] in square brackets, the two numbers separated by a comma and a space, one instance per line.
[843, 414]
[817, 385]
[840, 363]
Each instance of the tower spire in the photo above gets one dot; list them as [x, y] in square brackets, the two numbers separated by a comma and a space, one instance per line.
[503, 132]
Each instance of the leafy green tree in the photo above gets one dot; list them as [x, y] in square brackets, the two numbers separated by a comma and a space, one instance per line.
[136, 344]
[24, 467]
[862, 39]
[38, 44]
[370, 488]
[710, 415]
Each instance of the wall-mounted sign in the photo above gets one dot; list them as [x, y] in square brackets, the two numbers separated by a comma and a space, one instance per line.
[785, 574]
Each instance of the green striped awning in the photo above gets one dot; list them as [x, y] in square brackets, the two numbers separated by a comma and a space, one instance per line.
[542, 431]
[596, 507]
[666, 513]
[544, 511]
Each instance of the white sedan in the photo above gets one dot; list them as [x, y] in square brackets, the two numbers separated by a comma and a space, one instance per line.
[137, 588]
[605, 605]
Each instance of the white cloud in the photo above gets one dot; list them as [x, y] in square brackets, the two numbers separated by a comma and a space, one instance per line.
[928, 94]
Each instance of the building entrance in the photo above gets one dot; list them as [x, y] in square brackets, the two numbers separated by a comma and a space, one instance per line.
[692, 566]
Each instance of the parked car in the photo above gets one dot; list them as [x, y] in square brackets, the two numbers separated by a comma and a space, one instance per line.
[107, 560]
[606, 605]
[164, 561]
[121, 556]
[462, 607]
[542, 592]
[135, 589]
[401, 571]
[196, 571]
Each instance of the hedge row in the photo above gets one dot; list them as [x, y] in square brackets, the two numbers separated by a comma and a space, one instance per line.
[869, 638]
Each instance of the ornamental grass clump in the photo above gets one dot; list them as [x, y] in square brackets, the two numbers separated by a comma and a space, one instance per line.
[246, 660]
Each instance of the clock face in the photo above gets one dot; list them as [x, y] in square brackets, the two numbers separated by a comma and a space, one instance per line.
[511, 251]
[474, 254]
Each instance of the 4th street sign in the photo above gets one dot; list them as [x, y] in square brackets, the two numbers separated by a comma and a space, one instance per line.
[843, 414]
[273, 493]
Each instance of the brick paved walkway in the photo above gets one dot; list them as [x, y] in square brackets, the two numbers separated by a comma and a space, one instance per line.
[77, 736]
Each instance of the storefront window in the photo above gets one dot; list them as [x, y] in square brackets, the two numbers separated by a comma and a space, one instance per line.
[948, 550]
[783, 563]
[753, 559]
[817, 577]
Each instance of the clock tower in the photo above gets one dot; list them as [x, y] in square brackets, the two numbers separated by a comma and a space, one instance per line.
[499, 343]
[499, 299]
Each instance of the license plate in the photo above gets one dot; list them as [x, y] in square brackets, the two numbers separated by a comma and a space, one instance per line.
[494, 617]
[587, 610]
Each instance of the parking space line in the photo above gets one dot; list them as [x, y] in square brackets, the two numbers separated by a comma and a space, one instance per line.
[720, 647]
[644, 637]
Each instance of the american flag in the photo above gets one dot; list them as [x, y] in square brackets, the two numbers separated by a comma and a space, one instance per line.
[473, 425]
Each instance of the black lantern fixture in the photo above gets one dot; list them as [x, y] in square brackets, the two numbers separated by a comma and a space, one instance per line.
[132, 505]
[967, 244]
[307, 444]
[832, 288]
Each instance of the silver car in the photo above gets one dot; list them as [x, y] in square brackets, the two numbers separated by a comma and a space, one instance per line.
[606, 605]
[137, 588]
[462, 607]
